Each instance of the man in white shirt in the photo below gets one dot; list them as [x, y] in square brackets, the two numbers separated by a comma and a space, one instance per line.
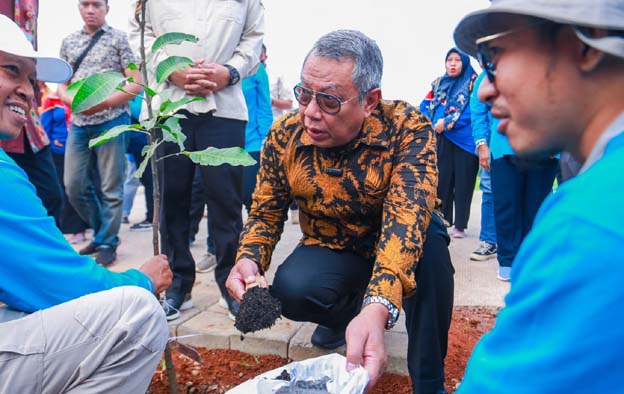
[230, 35]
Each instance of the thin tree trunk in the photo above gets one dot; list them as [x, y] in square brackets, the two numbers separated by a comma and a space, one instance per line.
[173, 384]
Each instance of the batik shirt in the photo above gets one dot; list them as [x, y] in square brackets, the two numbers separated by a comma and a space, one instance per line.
[111, 53]
[373, 197]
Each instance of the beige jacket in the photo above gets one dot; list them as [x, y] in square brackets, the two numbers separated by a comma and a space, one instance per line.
[229, 32]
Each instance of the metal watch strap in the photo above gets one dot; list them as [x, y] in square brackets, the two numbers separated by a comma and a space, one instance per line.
[393, 311]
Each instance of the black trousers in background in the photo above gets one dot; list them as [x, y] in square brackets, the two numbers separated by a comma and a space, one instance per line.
[224, 185]
[456, 181]
[519, 186]
[71, 222]
[249, 180]
[41, 172]
[326, 287]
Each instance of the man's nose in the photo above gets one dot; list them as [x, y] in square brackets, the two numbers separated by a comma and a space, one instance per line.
[26, 91]
[487, 91]
[312, 109]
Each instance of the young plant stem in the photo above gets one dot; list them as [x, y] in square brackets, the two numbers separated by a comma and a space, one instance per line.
[173, 384]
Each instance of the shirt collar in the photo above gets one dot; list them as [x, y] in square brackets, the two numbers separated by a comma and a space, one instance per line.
[104, 27]
[616, 128]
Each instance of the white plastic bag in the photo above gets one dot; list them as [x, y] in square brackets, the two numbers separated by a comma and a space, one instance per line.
[320, 375]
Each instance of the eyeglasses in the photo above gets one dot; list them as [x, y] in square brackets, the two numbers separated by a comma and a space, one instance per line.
[485, 55]
[328, 103]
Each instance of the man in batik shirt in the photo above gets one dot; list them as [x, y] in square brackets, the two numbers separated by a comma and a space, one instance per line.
[363, 172]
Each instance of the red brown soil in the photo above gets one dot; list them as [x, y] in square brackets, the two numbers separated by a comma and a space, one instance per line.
[224, 369]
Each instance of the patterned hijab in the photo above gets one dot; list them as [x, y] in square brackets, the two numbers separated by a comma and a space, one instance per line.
[454, 93]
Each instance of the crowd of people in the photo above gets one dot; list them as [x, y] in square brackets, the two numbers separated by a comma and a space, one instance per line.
[378, 187]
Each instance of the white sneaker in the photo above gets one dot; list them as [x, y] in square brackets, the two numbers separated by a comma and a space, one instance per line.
[504, 274]
[207, 264]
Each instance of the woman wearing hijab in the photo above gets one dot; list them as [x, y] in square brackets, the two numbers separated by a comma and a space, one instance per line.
[448, 107]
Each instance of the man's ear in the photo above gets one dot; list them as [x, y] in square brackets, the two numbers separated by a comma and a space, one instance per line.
[371, 100]
[590, 57]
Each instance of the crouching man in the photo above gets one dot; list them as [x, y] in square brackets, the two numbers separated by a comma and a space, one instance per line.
[363, 173]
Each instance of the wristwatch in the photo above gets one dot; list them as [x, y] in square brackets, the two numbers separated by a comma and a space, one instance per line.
[393, 311]
[234, 75]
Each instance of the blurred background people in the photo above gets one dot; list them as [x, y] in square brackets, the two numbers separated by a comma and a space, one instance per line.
[448, 107]
[519, 185]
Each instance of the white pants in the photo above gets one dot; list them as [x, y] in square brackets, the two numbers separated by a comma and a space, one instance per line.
[106, 342]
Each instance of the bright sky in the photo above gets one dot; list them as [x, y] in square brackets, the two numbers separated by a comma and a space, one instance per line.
[413, 35]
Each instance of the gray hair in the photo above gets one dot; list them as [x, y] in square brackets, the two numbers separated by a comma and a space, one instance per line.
[354, 45]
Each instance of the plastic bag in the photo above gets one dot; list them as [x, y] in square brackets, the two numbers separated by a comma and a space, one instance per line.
[320, 375]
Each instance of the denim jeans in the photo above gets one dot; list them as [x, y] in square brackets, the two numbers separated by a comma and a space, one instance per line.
[488, 225]
[131, 184]
[101, 210]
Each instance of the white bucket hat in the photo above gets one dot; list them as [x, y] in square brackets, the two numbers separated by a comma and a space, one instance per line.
[13, 40]
[601, 14]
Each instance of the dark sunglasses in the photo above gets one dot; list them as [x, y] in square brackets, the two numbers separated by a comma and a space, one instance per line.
[485, 54]
[328, 103]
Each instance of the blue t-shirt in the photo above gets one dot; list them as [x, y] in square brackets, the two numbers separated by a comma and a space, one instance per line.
[38, 267]
[562, 330]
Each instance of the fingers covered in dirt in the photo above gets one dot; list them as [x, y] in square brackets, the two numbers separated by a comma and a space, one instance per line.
[157, 269]
[242, 275]
[365, 341]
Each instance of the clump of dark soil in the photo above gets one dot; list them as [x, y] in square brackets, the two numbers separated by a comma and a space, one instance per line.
[283, 376]
[258, 310]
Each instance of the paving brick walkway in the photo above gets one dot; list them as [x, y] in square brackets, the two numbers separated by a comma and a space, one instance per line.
[475, 284]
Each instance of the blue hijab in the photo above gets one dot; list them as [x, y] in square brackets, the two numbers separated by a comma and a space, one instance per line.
[454, 93]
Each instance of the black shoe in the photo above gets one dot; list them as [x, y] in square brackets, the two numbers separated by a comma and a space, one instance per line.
[143, 226]
[89, 249]
[328, 338]
[105, 255]
[485, 251]
[175, 303]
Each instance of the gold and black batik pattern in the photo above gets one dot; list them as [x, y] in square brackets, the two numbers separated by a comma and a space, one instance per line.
[374, 196]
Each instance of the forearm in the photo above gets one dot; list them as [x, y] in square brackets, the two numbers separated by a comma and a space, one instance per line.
[406, 215]
[281, 104]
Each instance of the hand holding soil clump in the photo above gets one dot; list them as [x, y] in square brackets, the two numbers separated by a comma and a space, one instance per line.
[258, 310]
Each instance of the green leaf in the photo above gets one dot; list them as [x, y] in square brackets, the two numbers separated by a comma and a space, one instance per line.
[148, 124]
[133, 67]
[210, 156]
[172, 132]
[173, 38]
[150, 91]
[169, 107]
[148, 152]
[73, 88]
[169, 65]
[95, 89]
[109, 135]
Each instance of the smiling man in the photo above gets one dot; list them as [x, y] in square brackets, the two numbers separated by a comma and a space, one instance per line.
[363, 173]
[555, 78]
[67, 325]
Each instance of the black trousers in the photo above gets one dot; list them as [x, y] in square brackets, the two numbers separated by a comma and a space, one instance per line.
[71, 222]
[326, 287]
[199, 197]
[249, 180]
[41, 172]
[224, 185]
[519, 186]
[135, 146]
[456, 181]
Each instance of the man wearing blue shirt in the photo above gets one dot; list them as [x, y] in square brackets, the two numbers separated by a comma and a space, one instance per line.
[107, 341]
[555, 72]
